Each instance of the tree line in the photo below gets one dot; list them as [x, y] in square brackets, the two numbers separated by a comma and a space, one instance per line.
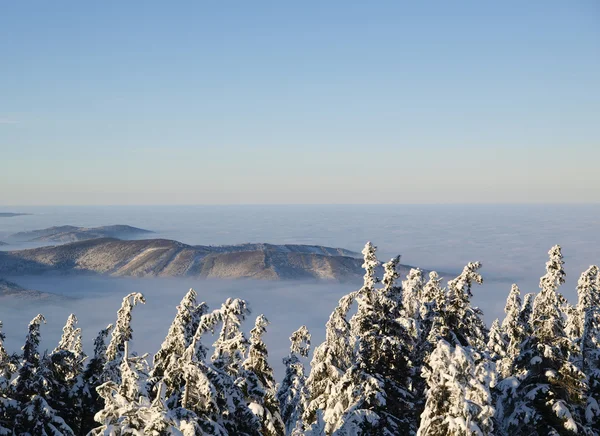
[400, 357]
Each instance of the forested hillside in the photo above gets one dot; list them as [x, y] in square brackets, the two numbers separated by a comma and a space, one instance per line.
[402, 356]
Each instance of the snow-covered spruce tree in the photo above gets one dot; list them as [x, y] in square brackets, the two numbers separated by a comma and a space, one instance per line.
[330, 360]
[8, 365]
[431, 307]
[458, 400]
[211, 401]
[464, 323]
[65, 368]
[292, 393]
[125, 404]
[91, 378]
[497, 342]
[588, 323]
[258, 383]
[459, 334]
[374, 395]
[231, 346]
[572, 327]
[544, 396]
[412, 291]
[513, 329]
[525, 314]
[335, 356]
[31, 389]
[179, 337]
[121, 333]
[432, 302]
[36, 417]
[227, 374]
[24, 384]
[8, 406]
[201, 405]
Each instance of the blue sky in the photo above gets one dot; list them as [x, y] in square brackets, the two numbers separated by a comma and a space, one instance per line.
[299, 102]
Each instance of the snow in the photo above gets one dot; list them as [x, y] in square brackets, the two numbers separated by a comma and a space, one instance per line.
[563, 413]
[535, 360]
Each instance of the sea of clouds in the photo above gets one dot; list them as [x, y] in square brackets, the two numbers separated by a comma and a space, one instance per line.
[511, 241]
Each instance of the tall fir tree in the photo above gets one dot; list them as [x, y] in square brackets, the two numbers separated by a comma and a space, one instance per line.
[125, 402]
[459, 401]
[375, 392]
[121, 333]
[259, 384]
[8, 406]
[497, 342]
[514, 329]
[588, 332]
[179, 337]
[33, 387]
[330, 360]
[90, 379]
[412, 292]
[65, 366]
[293, 393]
[544, 396]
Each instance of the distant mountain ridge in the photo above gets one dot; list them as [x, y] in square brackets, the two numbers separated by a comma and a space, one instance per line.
[11, 214]
[167, 258]
[72, 233]
[10, 289]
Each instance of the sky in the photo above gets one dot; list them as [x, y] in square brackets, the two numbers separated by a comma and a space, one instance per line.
[299, 102]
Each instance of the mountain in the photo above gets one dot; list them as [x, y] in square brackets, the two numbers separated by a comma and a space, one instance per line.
[167, 258]
[11, 214]
[2, 243]
[10, 289]
[72, 234]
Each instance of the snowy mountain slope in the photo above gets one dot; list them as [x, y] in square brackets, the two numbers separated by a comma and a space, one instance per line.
[167, 258]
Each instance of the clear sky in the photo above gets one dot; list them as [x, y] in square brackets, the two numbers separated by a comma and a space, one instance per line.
[158, 102]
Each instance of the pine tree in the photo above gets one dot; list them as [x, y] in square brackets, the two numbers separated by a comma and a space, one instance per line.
[330, 360]
[37, 417]
[544, 396]
[121, 333]
[211, 391]
[588, 332]
[8, 364]
[465, 326]
[65, 367]
[179, 337]
[201, 404]
[33, 386]
[374, 395]
[91, 378]
[126, 402]
[231, 346]
[335, 355]
[293, 393]
[497, 342]
[26, 384]
[458, 400]
[259, 384]
[412, 291]
[8, 406]
[514, 329]
[525, 314]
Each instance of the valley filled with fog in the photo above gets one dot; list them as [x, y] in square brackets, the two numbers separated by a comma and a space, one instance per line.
[511, 242]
